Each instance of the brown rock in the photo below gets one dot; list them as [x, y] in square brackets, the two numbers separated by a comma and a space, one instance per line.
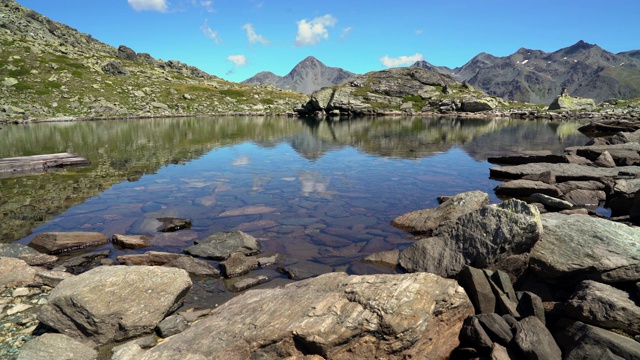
[59, 242]
[15, 272]
[131, 241]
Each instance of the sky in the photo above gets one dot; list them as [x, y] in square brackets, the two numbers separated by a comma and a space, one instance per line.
[235, 39]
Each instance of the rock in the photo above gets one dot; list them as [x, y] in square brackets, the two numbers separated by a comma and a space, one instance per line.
[128, 352]
[473, 335]
[476, 105]
[238, 264]
[15, 272]
[605, 160]
[171, 325]
[499, 352]
[526, 188]
[160, 106]
[131, 241]
[564, 172]
[535, 341]
[425, 221]
[138, 299]
[79, 263]
[60, 242]
[333, 316]
[478, 239]
[530, 304]
[220, 245]
[268, 260]
[248, 210]
[386, 258]
[247, 283]
[170, 224]
[582, 341]
[575, 248]
[56, 346]
[503, 281]
[551, 202]
[604, 306]
[145, 342]
[127, 53]
[620, 155]
[477, 286]
[546, 177]
[568, 103]
[569, 186]
[591, 198]
[29, 255]
[115, 68]
[155, 258]
[496, 327]
[52, 277]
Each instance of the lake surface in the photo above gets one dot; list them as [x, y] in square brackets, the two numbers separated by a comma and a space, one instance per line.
[321, 194]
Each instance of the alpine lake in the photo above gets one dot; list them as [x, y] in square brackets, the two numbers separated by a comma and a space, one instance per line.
[319, 193]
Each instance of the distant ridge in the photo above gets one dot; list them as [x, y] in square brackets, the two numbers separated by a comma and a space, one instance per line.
[584, 69]
[306, 77]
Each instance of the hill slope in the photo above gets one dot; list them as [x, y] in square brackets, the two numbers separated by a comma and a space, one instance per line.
[306, 77]
[49, 70]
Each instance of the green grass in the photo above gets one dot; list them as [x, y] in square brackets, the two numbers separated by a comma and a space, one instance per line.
[267, 101]
[233, 93]
[21, 71]
[22, 86]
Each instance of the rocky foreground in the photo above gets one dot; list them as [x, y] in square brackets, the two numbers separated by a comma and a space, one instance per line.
[538, 276]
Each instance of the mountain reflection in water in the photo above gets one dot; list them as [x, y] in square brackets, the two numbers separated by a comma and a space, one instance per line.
[334, 185]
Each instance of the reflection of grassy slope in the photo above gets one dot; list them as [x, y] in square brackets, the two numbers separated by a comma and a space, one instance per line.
[118, 150]
[407, 137]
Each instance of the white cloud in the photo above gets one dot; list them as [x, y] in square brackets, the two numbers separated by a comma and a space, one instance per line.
[345, 32]
[208, 5]
[237, 60]
[314, 31]
[253, 37]
[419, 32]
[151, 5]
[210, 33]
[400, 60]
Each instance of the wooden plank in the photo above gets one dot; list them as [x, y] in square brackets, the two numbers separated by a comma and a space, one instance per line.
[38, 163]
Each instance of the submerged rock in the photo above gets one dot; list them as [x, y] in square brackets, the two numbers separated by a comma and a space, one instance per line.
[333, 316]
[156, 258]
[220, 245]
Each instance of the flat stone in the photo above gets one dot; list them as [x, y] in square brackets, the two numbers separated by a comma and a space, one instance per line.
[156, 258]
[247, 283]
[171, 325]
[52, 277]
[56, 346]
[389, 258]
[171, 224]
[526, 188]
[131, 241]
[60, 242]
[248, 210]
[575, 248]
[552, 202]
[220, 245]
[535, 341]
[238, 264]
[582, 197]
[19, 292]
[582, 341]
[426, 220]
[15, 272]
[18, 309]
[564, 172]
[29, 255]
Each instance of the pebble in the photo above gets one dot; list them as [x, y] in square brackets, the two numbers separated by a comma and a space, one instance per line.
[18, 319]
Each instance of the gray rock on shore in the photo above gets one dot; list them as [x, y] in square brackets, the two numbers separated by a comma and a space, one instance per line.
[333, 316]
[59, 242]
[220, 245]
[114, 303]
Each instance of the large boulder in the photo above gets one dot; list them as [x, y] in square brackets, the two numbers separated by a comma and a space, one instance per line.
[575, 248]
[334, 316]
[114, 303]
[581, 341]
[568, 103]
[478, 239]
[479, 104]
[220, 245]
[426, 220]
[604, 306]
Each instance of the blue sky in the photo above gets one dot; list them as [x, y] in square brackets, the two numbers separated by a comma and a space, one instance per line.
[235, 39]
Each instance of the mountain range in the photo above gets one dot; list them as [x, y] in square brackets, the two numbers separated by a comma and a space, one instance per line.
[306, 77]
[585, 70]
[533, 76]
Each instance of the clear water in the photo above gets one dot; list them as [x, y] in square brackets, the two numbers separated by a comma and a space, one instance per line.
[320, 194]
